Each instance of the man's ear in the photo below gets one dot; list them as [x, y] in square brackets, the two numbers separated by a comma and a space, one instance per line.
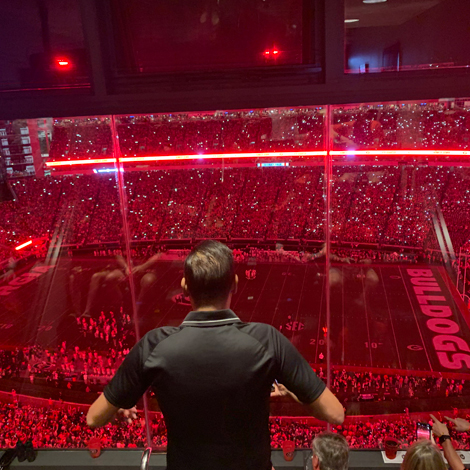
[235, 285]
[184, 286]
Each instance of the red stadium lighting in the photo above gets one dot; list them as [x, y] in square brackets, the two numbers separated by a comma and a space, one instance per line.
[158, 158]
[63, 63]
[275, 52]
[24, 245]
[266, 52]
[224, 155]
[454, 153]
[82, 162]
[321, 153]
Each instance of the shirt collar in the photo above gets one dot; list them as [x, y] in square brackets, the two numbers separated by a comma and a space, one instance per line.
[210, 318]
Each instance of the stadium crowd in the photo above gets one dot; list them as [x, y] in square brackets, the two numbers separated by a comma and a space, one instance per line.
[89, 363]
[379, 205]
[389, 126]
[64, 426]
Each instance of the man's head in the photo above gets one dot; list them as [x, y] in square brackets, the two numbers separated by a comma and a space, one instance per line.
[330, 452]
[209, 275]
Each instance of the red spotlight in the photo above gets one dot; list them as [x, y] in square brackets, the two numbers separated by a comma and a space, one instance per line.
[275, 51]
[24, 245]
[63, 63]
[266, 52]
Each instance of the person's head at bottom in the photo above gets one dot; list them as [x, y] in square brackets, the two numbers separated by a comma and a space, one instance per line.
[209, 276]
[330, 452]
[423, 455]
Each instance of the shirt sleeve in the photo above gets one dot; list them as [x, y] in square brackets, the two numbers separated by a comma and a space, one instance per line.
[130, 382]
[295, 372]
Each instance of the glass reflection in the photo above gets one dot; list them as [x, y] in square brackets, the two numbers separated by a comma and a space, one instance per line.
[207, 35]
[395, 246]
[43, 46]
[399, 36]
[399, 231]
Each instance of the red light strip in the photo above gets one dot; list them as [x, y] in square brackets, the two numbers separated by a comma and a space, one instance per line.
[458, 153]
[157, 158]
[224, 155]
[24, 245]
[81, 162]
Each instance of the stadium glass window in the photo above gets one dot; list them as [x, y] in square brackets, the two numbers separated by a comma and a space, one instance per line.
[42, 45]
[399, 35]
[205, 35]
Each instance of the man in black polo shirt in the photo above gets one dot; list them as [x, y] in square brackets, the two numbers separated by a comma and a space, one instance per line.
[212, 375]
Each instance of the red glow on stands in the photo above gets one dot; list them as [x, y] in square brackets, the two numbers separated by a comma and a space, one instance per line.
[24, 245]
[158, 158]
[320, 153]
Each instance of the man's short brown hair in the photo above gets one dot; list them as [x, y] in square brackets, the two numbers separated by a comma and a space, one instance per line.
[209, 272]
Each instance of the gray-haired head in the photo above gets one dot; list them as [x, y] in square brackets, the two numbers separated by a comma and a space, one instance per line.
[331, 450]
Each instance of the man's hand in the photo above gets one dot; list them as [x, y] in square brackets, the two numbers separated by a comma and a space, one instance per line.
[282, 391]
[137, 269]
[102, 412]
[438, 428]
[461, 425]
[127, 415]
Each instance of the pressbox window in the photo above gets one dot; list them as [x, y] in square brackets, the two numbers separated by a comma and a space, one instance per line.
[170, 35]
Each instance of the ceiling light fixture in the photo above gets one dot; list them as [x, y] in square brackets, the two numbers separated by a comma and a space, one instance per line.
[351, 20]
[374, 1]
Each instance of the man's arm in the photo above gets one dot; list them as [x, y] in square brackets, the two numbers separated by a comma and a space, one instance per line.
[124, 390]
[326, 407]
[301, 380]
[102, 412]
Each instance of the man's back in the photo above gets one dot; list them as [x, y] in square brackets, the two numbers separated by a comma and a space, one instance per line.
[212, 377]
[213, 374]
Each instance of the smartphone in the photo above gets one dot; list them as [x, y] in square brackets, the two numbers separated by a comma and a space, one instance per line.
[423, 431]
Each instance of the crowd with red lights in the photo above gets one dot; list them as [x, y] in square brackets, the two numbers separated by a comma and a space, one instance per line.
[92, 359]
[444, 125]
[64, 426]
[352, 386]
[380, 205]
[376, 204]
[98, 349]
[189, 133]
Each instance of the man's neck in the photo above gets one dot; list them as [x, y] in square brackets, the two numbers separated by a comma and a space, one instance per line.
[210, 308]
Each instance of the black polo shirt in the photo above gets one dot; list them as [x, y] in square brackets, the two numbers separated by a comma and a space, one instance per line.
[212, 376]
